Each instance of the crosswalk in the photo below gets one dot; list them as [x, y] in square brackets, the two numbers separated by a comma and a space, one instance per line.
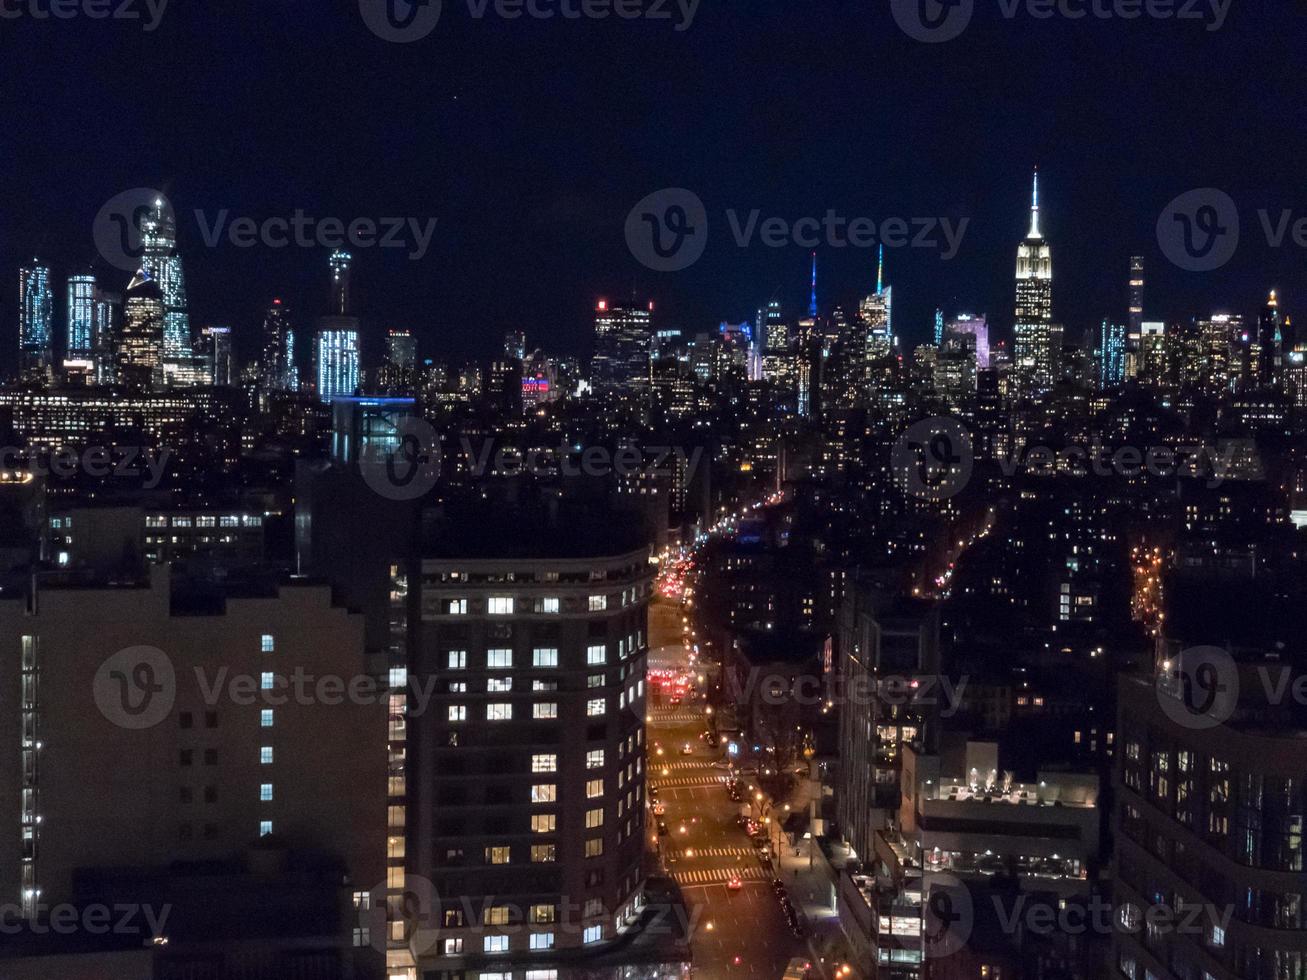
[675, 716]
[707, 779]
[714, 876]
[723, 852]
[685, 765]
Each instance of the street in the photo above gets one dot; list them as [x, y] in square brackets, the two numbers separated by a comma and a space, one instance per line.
[705, 846]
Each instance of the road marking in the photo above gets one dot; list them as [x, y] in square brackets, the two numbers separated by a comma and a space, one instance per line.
[716, 876]
[663, 782]
[733, 852]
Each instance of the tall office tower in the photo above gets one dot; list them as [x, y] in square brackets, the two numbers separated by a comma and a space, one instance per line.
[217, 353]
[398, 374]
[528, 767]
[1136, 294]
[161, 260]
[107, 324]
[1270, 343]
[336, 357]
[275, 363]
[812, 296]
[779, 364]
[954, 371]
[81, 317]
[1152, 360]
[1109, 353]
[341, 267]
[876, 313]
[1217, 346]
[35, 320]
[138, 351]
[1034, 353]
[515, 345]
[939, 326]
[976, 326]
[623, 336]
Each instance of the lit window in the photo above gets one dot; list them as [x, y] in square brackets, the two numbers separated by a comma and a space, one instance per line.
[594, 759]
[598, 603]
[497, 855]
[265, 828]
[543, 853]
[593, 934]
[542, 940]
[456, 607]
[497, 915]
[265, 792]
[495, 944]
[458, 712]
[499, 711]
[265, 755]
[266, 643]
[594, 680]
[265, 718]
[453, 947]
[541, 975]
[594, 788]
[594, 847]
[543, 823]
[595, 707]
[544, 657]
[543, 914]
[545, 711]
[544, 763]
[595, 655]
[499, 659]
[1218, 936]
[547, 605]
[266, 680]
[501, 606]
[498, 685]
[594, 818]
[544, 793]
[458, 660]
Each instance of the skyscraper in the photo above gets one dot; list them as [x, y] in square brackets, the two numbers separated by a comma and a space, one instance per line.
[341, 263]
[275, 364]
[1270, 343]
[623, 336]
[161, 261]
[1110, 351]
[138, 353]
[1034, 350]
[399, 373]
[876, 311]
[36, 319]
[1136, 294]
[969, 324]
[217, 348]
[812, 297]
[336, 356]
[81, 316]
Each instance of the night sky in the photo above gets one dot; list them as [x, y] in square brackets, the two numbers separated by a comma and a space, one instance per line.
[530, 141]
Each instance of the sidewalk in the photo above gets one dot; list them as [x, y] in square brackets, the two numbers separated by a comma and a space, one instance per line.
[811, 883]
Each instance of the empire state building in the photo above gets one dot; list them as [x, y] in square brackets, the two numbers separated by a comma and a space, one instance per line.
[1038, 341]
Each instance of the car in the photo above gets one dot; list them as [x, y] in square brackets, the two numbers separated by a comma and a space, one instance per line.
[659, 809]
[662, 828]
[734, 883]
[778, 887]
[674, 701]
[713, 740]
[687, 749]
[653, 793]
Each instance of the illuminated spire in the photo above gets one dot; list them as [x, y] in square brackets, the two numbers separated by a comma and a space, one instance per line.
[1034, 209]
[880, 271]
[812, 302]
[1272, 301]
